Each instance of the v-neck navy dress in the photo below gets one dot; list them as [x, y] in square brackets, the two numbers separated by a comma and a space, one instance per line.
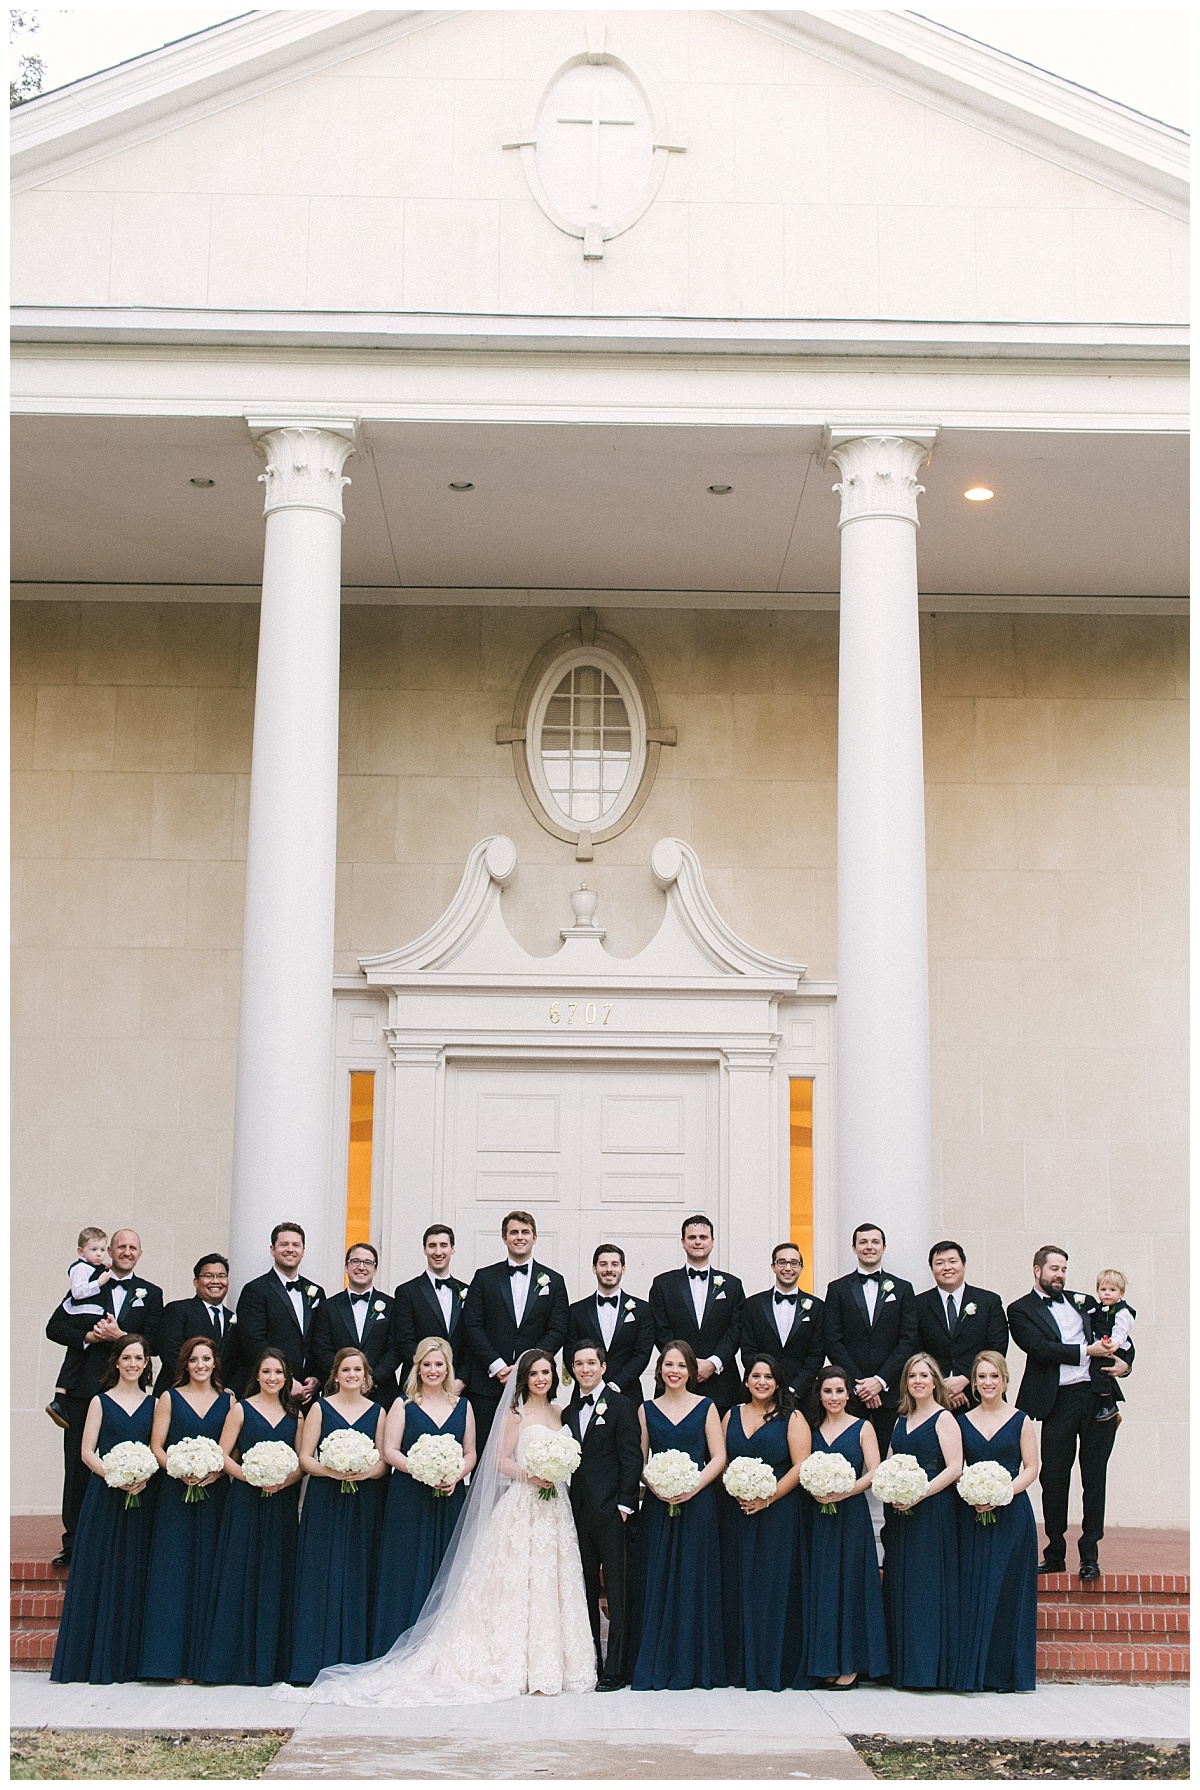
[249, 1633]
[679, 1640]
[921, 1588]
[844, 1629]
[182, 1554]
[762, 1560]
[997, 1648]
[336, 1562]
[416, 1531]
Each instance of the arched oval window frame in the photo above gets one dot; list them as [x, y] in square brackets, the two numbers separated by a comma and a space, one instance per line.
[586, 645]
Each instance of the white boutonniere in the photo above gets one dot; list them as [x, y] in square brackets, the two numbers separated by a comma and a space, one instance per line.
[312, 1291]
[806, 1304]
[379, 1306]
[888, 1285]
[543, 1280]
[718, 1280]
[969, 1310]
[233, 1317]
[139, 1292]
[462, 1292]
[630, 1305]
[1079, 1298]
[602, 1407]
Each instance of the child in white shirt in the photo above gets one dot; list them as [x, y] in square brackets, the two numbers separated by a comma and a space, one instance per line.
[1113, 1320]
[87, 1274]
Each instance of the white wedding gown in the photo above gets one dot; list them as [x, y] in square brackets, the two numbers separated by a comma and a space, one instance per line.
[515, 1623]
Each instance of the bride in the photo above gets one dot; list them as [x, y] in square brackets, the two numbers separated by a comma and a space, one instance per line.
[506, 1615]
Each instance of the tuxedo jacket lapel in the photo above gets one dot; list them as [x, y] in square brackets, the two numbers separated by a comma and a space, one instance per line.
[275, 1286]
[431, 1300]
[858, 1294]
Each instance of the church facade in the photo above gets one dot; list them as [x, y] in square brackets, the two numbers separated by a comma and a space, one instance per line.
[601, 626]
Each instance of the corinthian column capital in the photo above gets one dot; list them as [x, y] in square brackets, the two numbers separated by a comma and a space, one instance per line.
[879, 471]
[304, 463]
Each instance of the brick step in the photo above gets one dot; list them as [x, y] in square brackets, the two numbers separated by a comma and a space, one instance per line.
[35, 1572]
[1133, 1619]
[31, 1649]
[1081, 1662]
[1123, 1587]
[32, 1609]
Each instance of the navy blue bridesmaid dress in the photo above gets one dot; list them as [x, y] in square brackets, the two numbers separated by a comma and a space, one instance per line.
[920, 1572]
[997, 1648]
[416, 1532]
[678, 1637]
[844, 1627]
[335, 1565]
[182, 1553]
[249, 1633]
[100, 1635]
[762, 1563]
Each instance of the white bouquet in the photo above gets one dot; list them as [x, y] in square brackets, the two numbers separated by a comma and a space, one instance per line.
[348, 1451]
[822, 1475]
[900, 1481]
[747, 1477]
[194, 1458]
[129, 1463]
[986, 1482]
[435, 1460]
[552, 1455]
[268, 1464]
[671, 1475]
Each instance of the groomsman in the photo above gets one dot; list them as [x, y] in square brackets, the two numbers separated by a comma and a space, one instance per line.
[604, 1491]
[955, 1321]
[702, 1307]
[871, 1330]
[204, 1314]
[622, 1323]
[132, 1306]
[786, 1323]
[358, 1318]
[511, 1306]
[432, 1305]
[279, 1307]
[1055, 1329]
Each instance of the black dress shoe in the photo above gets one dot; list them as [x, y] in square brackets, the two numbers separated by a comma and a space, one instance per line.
[1052, 1566]
[1089, 1569]
[61, 1560]
[609, 1684]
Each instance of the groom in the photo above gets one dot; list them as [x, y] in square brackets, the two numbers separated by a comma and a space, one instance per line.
[604, 1491]
[511, 1306]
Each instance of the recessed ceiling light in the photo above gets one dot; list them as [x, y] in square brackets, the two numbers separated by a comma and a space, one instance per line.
[978, 494]
[202, 484]
[720, 490]
[463, 485]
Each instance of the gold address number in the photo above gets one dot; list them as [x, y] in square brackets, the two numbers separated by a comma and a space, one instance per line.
[589, 1013]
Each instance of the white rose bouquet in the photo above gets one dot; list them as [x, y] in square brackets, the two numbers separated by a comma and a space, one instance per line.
[552, 1455]
[986, 1482]
[348, 1451]
[268, 1464]
[194, 1458]
[436, 1461]
[129, 1463]
[822, 1475]
[747, 1477]
[900, 1481]
[671, 1475]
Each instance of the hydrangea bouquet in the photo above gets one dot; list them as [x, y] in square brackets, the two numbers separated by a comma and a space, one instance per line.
[348, 1451]
[129, 1463]
[985, 1482]
[552, 1455]
[671, 1475]
[822, 1475]
[435, 1460]
[900, 1481]
[194, 1458]
[268, 1464]
[748, 1477]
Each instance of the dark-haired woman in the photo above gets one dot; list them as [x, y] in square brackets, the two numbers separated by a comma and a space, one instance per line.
[184, 1546]
[339, 1528]
[845, 1636]
[762, 1539]
[249, 1635]
[678, 1636]
[100, 1634]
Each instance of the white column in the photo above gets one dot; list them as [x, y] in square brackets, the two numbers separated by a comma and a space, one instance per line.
[884, 1168]
[281, 1138]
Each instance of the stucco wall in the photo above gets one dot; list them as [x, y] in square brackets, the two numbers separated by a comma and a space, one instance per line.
[1056, 755]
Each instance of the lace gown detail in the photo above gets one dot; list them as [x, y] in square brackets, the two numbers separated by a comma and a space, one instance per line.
[517, 1624]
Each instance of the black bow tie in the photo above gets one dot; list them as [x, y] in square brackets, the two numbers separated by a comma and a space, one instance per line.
[785, 1298]
[874, 1277]
[291, 1286]
[121, 1283]
[608, 1298]
[518, 1267]
[588, 1399]
[441, 1283]
[1052, 1298]
[359, 1298]
[697, 1273]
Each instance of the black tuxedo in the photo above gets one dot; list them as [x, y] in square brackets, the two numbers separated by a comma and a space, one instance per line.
[333, 1328]
[803, 1352]
[607, 1477]
[1068, 1416]
[718, 1334]
[632, 1343]
[984, 1328]
[184, 1318]
[489, 1318]
[265, 1314]
[141, 1315]
[417, 1313]
[872, 1350]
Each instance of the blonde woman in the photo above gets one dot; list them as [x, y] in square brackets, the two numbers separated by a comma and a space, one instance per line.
[999, 1559]
[418, 1524]
[920, 1545]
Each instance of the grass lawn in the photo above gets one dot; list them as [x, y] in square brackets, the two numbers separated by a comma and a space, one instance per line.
[90, 1753]
[1083, 1760]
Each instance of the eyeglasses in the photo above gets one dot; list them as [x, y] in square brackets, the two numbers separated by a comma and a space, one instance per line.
[360, 1261]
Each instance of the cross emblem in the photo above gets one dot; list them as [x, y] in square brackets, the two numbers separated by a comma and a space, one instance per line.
[596, 120]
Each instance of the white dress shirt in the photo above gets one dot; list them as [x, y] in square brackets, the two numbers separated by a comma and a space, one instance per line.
[699, 1291]
[519, 1282]
[608, 1316]
[785, 1314]
[443, 1295]
[955, 1293]
[1071, 1328]
[360, 1307]
[870, 1289]
[294, 1294]
[119, 1292]
[216, 1318]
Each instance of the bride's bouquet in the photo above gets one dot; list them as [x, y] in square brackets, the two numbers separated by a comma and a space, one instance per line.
[348, 1451]
[900, 1481]
[748, 1477]
[434, 1460]
[671, 1475]
[822, 1475]
[129, 1463]
[986, 1482]
[194, 1458]
[552, 1455]
[268, 1464]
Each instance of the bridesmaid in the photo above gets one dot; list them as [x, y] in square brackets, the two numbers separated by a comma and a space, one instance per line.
[920, 1547]
[417, 1526]
[184, 1547]
[249, 1635]
[997, 1647]
[845, 1636]
[100, 1634]
[339, 1532]
[762, 1539]
[678, 1640]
